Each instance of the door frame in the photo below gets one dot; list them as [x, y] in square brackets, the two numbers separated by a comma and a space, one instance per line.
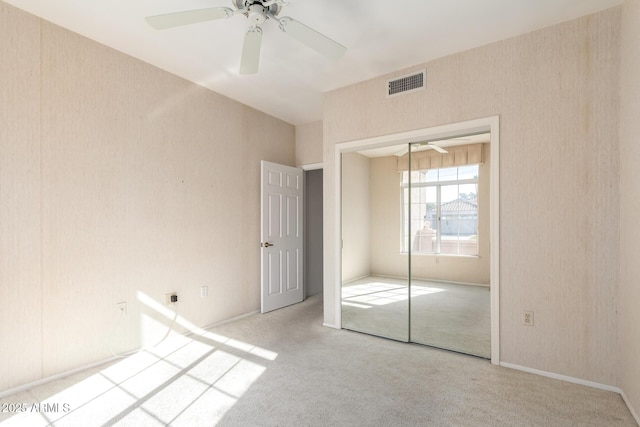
[487, 124]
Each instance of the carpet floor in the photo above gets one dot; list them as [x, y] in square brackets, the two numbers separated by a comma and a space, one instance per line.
[445, 315]
[285, 369]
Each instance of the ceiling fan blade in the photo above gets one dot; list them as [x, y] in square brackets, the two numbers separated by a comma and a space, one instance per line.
[251, 51]
[404, 150]
[176, 19]
[438, 148]
[312, 38]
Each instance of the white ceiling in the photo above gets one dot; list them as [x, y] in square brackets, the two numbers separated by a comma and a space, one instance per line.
[381, 37]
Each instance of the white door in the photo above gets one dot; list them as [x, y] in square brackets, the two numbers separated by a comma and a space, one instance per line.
[281, 234]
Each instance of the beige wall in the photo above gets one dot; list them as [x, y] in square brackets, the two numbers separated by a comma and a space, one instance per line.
[117, 180]
[356, 237]
[385, 227]
[309, 144]
[555, 91]
[629, 295]
[21, 319]
[386, 259]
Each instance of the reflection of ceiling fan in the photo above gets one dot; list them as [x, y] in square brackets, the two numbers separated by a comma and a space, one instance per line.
[437, 147]
[257, 11]
[429, 145]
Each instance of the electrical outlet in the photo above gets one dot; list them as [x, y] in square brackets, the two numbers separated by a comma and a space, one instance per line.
[168, 299]
[527, 318]
[204, 292]
[122, 306]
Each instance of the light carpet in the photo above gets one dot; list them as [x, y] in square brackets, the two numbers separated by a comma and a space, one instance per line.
[285, 369]
[445, 315]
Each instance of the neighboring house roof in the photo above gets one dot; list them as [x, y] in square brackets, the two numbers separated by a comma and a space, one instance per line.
[459, 205]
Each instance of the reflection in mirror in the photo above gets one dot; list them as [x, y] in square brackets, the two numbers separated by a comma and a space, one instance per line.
[447, 226]
[375, 295]
[415, 257]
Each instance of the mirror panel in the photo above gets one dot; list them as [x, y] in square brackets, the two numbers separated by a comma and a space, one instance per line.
[415, 256]
[375, 295]
[450, 304]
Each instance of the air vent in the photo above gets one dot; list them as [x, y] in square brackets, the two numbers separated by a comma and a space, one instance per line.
[406, 84]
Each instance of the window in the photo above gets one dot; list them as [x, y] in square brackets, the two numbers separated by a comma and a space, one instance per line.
[444, 211]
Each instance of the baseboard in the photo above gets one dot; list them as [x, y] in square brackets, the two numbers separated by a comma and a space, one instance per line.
[355, 279]
[562, 377]
[329, 325]
[569, 379]
[628, 403]
[233, 319]
[63, 374]
[386, 276]
[422, 279]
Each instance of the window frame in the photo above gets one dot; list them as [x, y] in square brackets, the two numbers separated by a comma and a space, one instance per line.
[405, 243]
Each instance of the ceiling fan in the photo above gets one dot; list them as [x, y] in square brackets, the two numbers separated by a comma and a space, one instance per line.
[427, 145]
[257, 12]
[437, 148]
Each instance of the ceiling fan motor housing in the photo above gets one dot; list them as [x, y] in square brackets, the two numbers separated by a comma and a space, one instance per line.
[257, 14]
[258, 10]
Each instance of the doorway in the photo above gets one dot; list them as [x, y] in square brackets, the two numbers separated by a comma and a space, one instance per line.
[313, 229]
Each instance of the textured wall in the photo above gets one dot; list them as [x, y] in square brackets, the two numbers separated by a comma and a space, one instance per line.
[630, 205]
[555, 91]
[309, 144]
[119, 181]
[386, 259]
[20, 215]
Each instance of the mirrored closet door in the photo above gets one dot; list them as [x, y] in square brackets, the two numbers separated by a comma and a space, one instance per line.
[415, 227]
[446, 195]
[375, 291]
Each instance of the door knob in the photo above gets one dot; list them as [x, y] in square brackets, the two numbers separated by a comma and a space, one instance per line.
[266, 245]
